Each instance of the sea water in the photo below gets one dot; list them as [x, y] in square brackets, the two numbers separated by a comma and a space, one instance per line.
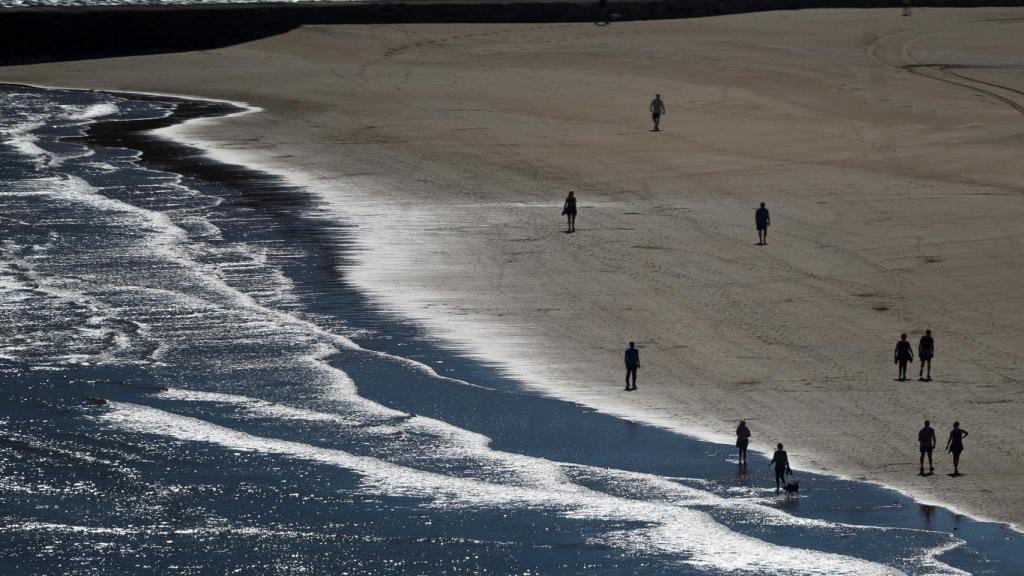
[189, 385]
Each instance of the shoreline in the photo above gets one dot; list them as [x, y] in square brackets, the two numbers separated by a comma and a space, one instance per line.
[598, 209]
[177, 133]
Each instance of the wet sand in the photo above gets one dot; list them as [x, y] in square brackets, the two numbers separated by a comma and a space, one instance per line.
[887, 149]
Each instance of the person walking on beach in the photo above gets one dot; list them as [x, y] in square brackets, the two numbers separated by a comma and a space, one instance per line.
[781, 462]
[906, 7]
[955, 444]
[926, 438]
[742, 440]
[762, 220]
[904, 354]
[632, 364]
[657, 109]
[569, 211]
[925, 351]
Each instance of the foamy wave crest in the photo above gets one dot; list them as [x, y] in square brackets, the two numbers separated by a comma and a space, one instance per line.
[672, 528]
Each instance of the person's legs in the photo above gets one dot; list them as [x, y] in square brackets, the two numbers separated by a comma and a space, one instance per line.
[634, 378]
[956, 462]
[572, 222]
[922, 461]
[657, 120]
[780, 479]
[930, 467]
[902, 364]
[928, 374]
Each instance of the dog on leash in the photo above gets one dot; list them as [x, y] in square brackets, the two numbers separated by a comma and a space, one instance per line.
[792, 488]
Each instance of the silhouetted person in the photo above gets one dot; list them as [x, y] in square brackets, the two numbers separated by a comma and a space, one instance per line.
[569, 211]
[781, 462]
[926, 438]
[742, 439]
[925, 351]
[762, 221]
[632, 364]
[955, 444]
[904, 354]
[657, 109]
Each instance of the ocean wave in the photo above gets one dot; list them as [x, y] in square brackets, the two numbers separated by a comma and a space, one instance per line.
[672, 528]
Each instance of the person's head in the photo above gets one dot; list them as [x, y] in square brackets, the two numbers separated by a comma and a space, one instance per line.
[632, 344]
[743, 422]
[780, 445]
[956, 424]
[927, 332]
[927, 423]
[903, 336]
[657, 96]
[571, 193]
[762, 204]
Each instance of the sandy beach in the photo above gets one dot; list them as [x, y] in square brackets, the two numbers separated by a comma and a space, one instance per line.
[886, 148]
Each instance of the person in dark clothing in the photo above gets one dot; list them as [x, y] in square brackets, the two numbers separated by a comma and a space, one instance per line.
[904, 354]
[955, 444]
[926, 438]
[657, 109]
[925, 352]
[742, 439]
[762, 221]
[569, 211]
[781, 462]
[632, 364]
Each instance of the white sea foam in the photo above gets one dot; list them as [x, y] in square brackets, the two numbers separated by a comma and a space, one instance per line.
[671, 528]
[493, 344]
[543, 474]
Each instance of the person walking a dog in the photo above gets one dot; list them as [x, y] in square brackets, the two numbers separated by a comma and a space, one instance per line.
[955, 444]
[781, 462]
[926, 438]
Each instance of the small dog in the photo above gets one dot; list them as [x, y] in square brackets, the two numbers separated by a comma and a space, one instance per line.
[791, 488]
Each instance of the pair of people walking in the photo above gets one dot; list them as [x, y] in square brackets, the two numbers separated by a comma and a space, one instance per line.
[779, 458]
[904, 355]
[954, 445]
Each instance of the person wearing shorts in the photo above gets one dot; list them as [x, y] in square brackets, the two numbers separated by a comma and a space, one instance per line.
[926, 438]
[762, 220]
[657, 109]
[904, 354]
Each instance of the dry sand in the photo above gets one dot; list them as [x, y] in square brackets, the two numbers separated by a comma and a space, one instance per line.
[896, 198]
